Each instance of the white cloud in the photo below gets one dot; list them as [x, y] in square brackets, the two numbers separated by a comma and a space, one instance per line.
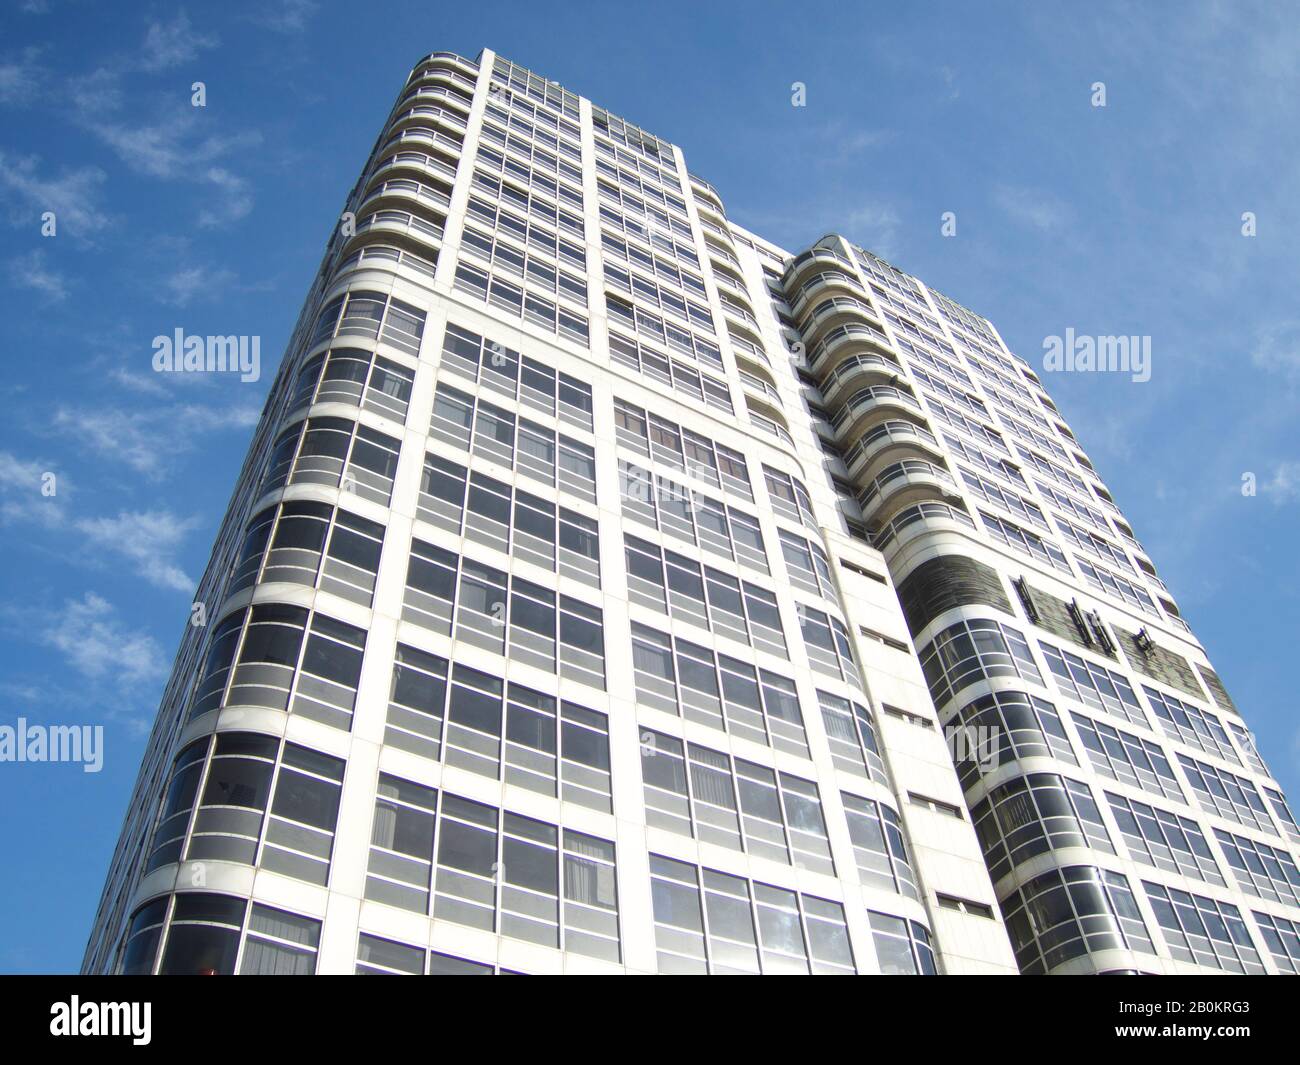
[183, 285]
[21, 497]
[31, 271]
[172, 43]
[99, 647]
[149, 539]
[72, 196]
[147, 440]
[950, 82]
[288, 16]
[175, 150]
[21, 78]
[1032, 208]
[1277, 350]
[146, 384]
[1284, 485]
[874, 227]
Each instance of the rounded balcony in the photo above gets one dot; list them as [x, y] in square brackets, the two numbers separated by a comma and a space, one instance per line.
[903, 483]
[837, 310]
[825, 282]
[434, 93]
[758, 381]
[439, 63]
[720, 251]
[417, 137]
[747, 341]
[707, 196]
[895, 439]
[859, 370]
[808, 262]
[415, 164]
[421, 230]
[868, 406]
[404, 193]
[916, 520]
[378, 251]
[423, 114]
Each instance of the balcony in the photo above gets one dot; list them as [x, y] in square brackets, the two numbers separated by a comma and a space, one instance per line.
[918, 519]
[424, 232]
[826, 282]
[416, 161]
[423, 135]
[804, 263]
[898, 438]
[429, 113]
[838, 309]
[867, 404]
[903, 483]
[860, 370]
[844, 339]
[398, 190]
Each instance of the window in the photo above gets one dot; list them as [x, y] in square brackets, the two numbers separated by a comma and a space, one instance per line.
[1226, 794]
[375, 316]
[683, 678]
[216, 806]
[1192, 725]
[1034, 814]
[283, 662]
[789, 497]
[1283, 940]
[827, 642]
[711, 922]
[1093, 685]
[511, 732]
[1260, 870]
[1065, 913]
[902, 946]
[1203, 931]
[878, 845]
[497, 435]
[1164, 839]
[851, 732]
[699, 792]
[335, 452]
[1127, 758]
[703, 596]
[356, 377]
[1027, 727]
[492, 869]
[688, 515]
[974, 650]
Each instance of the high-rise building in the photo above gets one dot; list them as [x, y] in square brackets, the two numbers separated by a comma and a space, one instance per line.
[608, 590]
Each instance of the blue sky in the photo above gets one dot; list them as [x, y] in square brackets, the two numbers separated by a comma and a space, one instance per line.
[1117, 220]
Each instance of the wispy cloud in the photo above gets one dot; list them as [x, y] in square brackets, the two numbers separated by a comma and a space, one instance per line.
[1284, 485]
[169, 44]
[21, 77]
[1277, 350]
[22, 498]
[874, 226]
[147, 441]
[949, 76]
[1032, 208]
[148, 539]
[174, 145]
[73, 196]
[182, 286]
[32, 271]
[287, 16]
[97, 645]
